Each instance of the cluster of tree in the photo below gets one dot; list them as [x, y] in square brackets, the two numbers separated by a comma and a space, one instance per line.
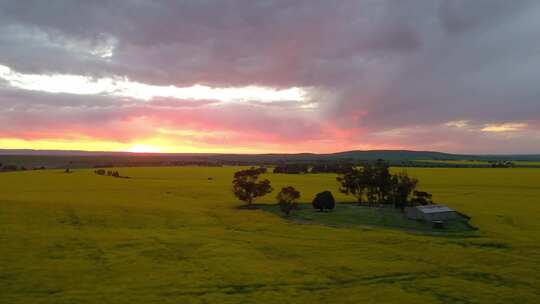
[372, 184]
[109, 173]
[292, 168]
[375, 185]
[288, 196]
[247, 186]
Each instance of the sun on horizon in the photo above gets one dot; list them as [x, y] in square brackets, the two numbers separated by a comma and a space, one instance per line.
[141, 148]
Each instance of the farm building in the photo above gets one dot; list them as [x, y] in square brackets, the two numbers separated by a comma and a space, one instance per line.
[433, 213]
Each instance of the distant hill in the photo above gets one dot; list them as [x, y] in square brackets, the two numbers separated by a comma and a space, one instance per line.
[86, 159]
[357, 154]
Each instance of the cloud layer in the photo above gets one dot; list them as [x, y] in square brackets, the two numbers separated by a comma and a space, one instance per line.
[458, 76]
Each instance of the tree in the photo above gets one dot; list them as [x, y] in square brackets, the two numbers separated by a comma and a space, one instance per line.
[382, 180]
[354, 182]
[246, 185]
[287, 198]
[324, 200]
[372, 181]
[402, 187]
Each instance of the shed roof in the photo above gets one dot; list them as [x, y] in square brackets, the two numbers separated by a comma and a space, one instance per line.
[434, 209]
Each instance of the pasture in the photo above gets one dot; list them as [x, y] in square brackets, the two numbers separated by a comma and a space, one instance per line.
[171, 235]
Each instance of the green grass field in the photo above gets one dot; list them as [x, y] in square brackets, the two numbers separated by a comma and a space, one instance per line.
[170, 235]
[352, 215]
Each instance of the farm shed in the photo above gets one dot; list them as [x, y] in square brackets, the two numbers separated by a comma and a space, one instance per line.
[433, 213]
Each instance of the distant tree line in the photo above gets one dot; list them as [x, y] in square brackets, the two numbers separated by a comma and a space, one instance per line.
[9, 168]
[342, 166]
[292, 168]
[332, 167]
[302, 168]
[112, 173]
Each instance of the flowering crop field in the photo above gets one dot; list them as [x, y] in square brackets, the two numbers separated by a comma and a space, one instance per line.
[175, 235]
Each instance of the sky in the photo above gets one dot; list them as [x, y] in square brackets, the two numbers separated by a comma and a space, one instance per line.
[270, 76]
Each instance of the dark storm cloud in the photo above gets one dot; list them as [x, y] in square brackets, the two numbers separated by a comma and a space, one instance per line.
[373, 66]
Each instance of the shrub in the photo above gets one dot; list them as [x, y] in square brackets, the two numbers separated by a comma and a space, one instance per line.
[324, 200]
[100, 172]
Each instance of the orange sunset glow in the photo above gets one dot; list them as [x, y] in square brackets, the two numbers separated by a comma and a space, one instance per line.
[224, 83]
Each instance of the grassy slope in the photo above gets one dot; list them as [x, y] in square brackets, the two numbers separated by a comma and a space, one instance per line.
[169, 235]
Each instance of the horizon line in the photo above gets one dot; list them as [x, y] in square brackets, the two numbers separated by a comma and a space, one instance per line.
[262, 153]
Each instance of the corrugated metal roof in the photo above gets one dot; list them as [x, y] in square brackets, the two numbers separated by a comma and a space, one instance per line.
[434, 209]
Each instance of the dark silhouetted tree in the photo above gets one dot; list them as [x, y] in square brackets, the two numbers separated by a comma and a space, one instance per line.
[372, 181]
[354, 182]
[402, 187]
[287, 198]
[246, 185]
[382, 181]
[324, 200]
